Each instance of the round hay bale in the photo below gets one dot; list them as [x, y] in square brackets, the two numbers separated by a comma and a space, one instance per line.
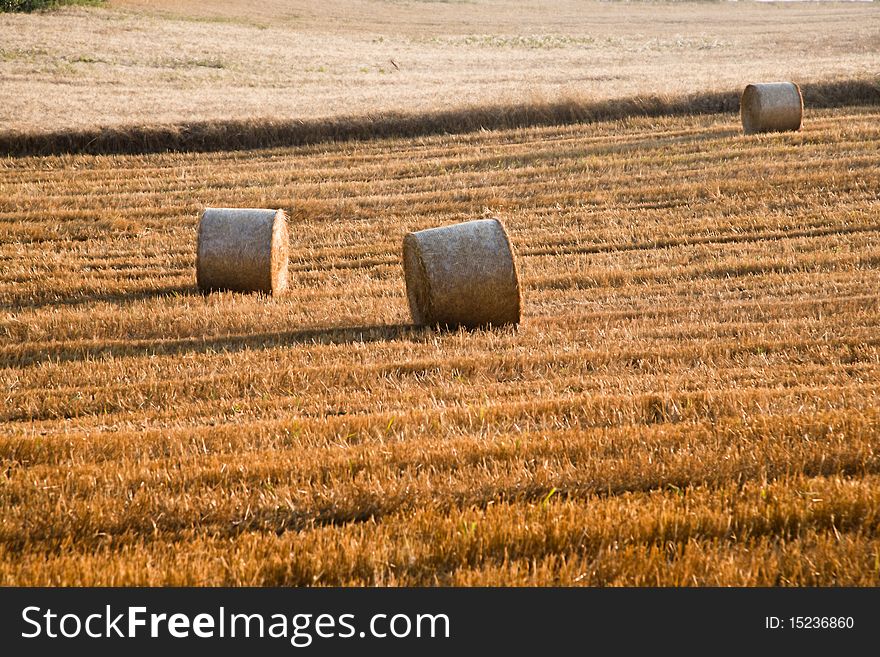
[242, 250]
[462, 275]
[771, 107]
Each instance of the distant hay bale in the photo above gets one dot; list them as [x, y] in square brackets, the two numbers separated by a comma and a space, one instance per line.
[462, 275]
[771, 107]
[242, 250]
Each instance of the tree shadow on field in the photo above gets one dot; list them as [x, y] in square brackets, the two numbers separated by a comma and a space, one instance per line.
[334, 335]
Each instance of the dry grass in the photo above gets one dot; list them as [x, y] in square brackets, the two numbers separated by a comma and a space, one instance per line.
[237, 135]
[144, 62]
[692, 397]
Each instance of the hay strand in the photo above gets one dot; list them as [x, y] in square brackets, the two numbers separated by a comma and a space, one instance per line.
[242, 250]
[771, 107]
[462, 275]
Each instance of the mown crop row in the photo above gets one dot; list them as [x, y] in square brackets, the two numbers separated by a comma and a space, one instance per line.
[691, 397]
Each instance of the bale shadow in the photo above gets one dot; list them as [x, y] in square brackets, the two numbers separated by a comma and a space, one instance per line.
[117, 298]
[219, 344]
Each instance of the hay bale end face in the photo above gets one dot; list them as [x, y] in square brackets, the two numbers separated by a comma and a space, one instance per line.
[242, 250]
[462, 275]
[771, 107]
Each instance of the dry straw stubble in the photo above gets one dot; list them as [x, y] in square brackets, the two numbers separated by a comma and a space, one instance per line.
[697, 378]
[462, 275]
[771, 107]
[254, 133]
[242, 250]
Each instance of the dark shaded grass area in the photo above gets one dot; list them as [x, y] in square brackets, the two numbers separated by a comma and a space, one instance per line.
[40, 5]
[334, 335]
[209, 136]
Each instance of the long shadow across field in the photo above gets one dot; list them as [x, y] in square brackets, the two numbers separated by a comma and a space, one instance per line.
[65, 352]
[206, 136]
[87, 298]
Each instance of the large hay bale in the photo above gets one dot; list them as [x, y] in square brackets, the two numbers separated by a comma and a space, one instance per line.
[462, 275]
[242, 250]
[771, 107]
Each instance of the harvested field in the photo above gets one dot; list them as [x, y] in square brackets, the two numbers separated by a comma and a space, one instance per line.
[691, 399]
[143, 62]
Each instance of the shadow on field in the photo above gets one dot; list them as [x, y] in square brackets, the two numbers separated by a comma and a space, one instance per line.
[207, 136]
[86, 298]
[61, 353]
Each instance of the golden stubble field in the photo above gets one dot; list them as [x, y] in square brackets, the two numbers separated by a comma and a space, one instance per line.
[691, 399]
[149, 61]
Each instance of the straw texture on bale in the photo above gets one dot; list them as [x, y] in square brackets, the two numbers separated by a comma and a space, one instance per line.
[462, 275]
[242, 250]
[771, 107]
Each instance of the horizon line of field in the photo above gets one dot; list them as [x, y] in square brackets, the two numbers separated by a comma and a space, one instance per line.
[250, 134]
